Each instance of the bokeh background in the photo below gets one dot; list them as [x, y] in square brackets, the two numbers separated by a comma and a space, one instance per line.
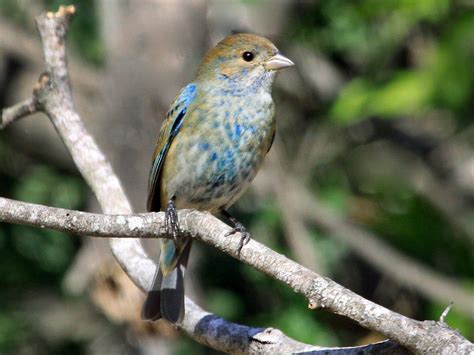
[370, 181]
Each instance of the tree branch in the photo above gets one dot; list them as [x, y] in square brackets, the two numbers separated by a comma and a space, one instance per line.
[202, 226]
[20, 110]
[55, 99]
[324, 292]
[382, 256]
[366, 244]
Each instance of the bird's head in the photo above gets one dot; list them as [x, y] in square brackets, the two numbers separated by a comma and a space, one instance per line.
[244, 61]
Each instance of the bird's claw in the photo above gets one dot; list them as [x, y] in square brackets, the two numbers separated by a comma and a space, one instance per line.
[245, 238]
[171, 221]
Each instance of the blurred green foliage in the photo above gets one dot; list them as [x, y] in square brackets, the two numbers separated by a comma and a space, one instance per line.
[32, 259]
[13, 331]
[370, 34]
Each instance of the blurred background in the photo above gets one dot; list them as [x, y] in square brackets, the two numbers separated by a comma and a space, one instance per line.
[370, 180]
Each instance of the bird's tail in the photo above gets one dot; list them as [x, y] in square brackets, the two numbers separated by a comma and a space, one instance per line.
[166, 298]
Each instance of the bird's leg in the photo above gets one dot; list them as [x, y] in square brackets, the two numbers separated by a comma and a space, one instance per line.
[171, 220]
[238, 228]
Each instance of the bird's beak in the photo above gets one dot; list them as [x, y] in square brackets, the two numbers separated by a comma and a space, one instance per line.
[278, 61]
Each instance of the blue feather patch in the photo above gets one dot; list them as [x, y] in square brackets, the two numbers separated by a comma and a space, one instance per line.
[180, 106]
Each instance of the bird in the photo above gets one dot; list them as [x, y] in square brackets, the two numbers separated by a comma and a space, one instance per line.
[211, 144]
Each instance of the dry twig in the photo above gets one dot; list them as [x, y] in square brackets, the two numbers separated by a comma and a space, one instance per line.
[20, 110]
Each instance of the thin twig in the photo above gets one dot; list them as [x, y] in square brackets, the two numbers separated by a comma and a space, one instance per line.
[442, 318]
[20, 110]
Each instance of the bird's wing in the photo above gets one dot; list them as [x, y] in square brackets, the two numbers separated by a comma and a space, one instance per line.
[169, 130]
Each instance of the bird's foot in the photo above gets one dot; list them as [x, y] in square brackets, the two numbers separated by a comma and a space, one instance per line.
[244, 239]
[238, 228]
[171, 220]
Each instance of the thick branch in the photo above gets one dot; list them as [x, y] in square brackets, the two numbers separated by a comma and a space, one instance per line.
[270, 340]
[419, 336]
[198, 323]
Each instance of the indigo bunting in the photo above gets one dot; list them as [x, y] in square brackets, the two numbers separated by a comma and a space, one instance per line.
[211, 145]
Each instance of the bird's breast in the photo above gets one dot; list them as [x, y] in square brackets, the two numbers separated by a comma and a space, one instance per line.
[219, 150]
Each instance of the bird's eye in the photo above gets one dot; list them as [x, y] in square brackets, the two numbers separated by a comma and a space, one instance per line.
[248, 56]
